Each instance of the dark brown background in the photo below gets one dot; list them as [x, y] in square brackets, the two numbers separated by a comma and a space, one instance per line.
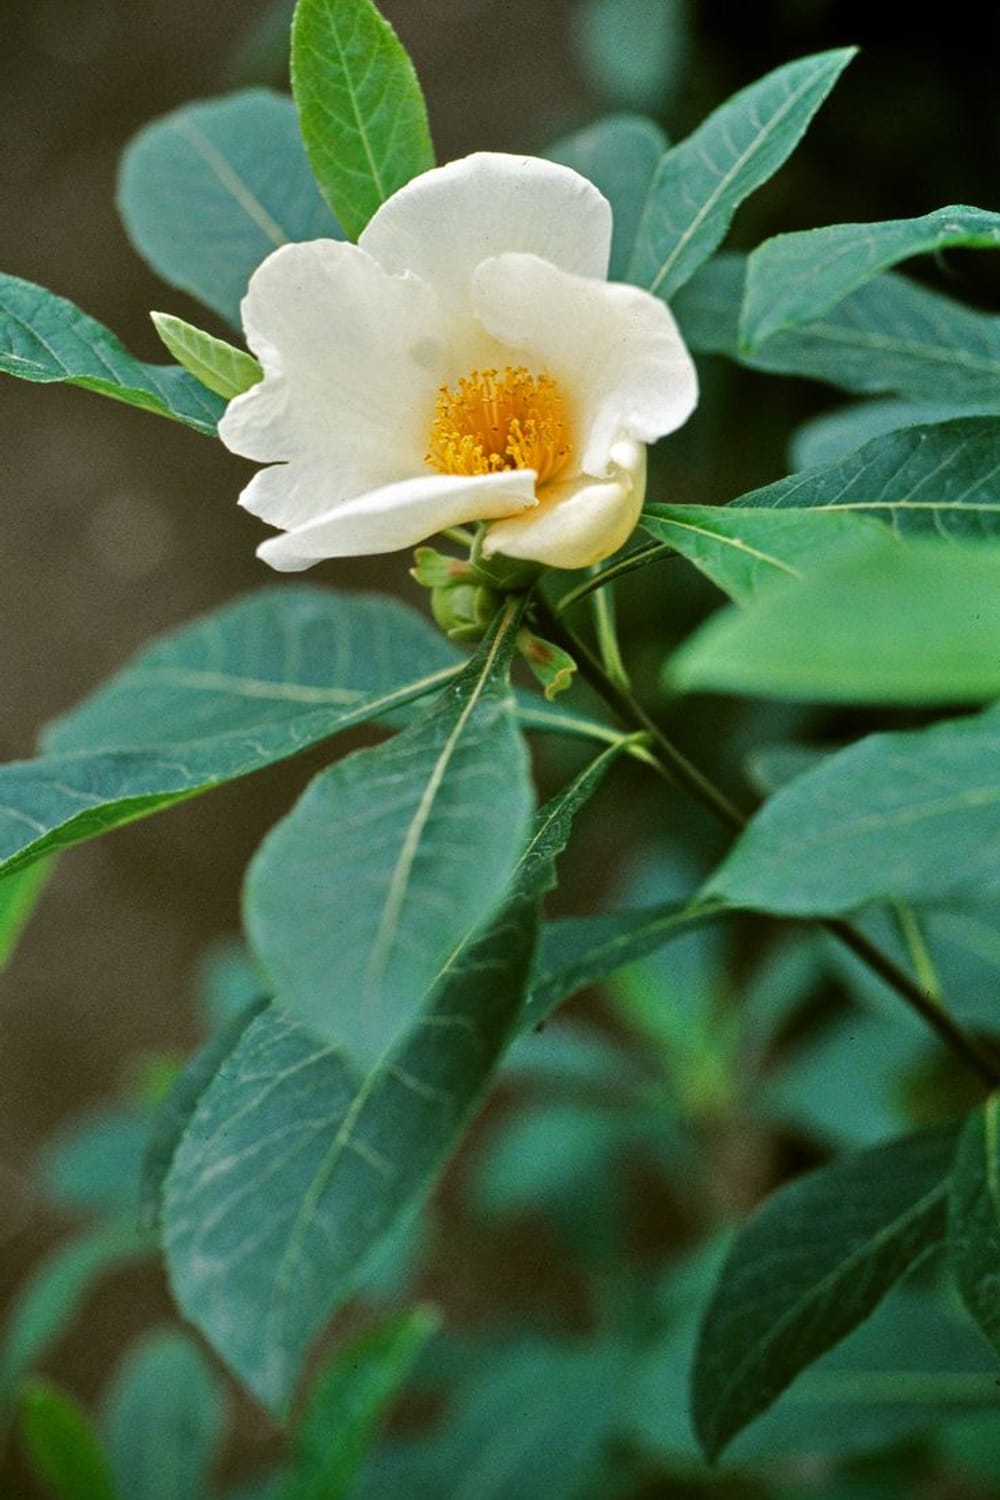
[115, 525]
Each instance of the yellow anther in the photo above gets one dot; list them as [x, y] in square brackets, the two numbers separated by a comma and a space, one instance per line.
[493, 420]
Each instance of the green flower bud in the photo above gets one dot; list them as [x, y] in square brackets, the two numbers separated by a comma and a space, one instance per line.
[464, 611]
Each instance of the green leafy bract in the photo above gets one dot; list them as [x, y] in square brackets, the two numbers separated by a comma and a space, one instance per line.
[221, 368]
[890, 336]
[744, 551]
[207, 192]
[46, 339]
[619, 155]
[881, 820]
[391, 857]
[700, 183]
[974, 1218]
[881, 621]
[941, 479]
[341, 1157]
[809, 1266]
[362, 113]
[164, 1417]
[796, 278]
[247, 686]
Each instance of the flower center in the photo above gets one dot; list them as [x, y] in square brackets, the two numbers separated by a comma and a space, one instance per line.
[500, 419]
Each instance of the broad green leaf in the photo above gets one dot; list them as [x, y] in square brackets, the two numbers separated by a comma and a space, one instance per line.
[93, 1165]
[164, 1420]
[700, 183]
[219, 366]
[837, 434]
[576, 952]
[518, 1419]
[634, 51]
[207, 192]
[809, 1266]
[744, 552]
[49, 1301]
[175, 1112]
[247, 686]
[619, 155]
[19, 895]
[974, 1218]
[347, 1404]
[354, 901]
[942, 480]
[881, 820]
[363, 116]
[343, 1156]
[61, 1446]
[880, 622]
[796, 278]
[295, 1167]
[46, 339]
[890, 336]
[912, 1370]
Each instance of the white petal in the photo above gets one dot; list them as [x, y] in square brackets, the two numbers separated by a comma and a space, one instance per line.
[443, 223]
[580, 522]
[615, 349]
[353, 358]
[400, 515]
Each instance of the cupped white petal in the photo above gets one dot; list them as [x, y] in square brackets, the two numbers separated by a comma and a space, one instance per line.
[615, 350]
[442, 224]
[353, 358]
[400, 515]
[581, 521]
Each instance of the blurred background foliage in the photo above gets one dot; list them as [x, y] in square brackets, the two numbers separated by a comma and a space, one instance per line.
[585, 1210]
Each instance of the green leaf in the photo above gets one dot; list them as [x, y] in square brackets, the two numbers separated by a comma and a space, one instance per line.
[93, 1165]
[295, 1167]
[256, 682]
[746, 551]
[619, 155]
[700, 183]
[838, 433]
[889, 336]
[221, 368]
[809, 1266]
[59, 1284]
[348, 1402]
[19, 894]
[164, 1418]
[580, 951]
[174, 1114]
[797, 278]
[634, 51]
[61, 1446]
[363, 116]
[879, 622]
[207, 192]
[344, 1157]
[974, 1218]
[354, 901]
[881, 820]
[46, 339]
[940, 480]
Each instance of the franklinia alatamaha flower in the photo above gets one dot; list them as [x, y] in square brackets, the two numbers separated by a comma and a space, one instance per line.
[466, 361]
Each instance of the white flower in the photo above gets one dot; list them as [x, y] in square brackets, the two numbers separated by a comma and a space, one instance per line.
[466, 361]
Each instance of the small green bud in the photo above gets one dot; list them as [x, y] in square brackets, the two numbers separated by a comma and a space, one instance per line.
[464, 611]
[436, 570]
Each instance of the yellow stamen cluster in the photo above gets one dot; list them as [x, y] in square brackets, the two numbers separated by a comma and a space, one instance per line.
[500, 419]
